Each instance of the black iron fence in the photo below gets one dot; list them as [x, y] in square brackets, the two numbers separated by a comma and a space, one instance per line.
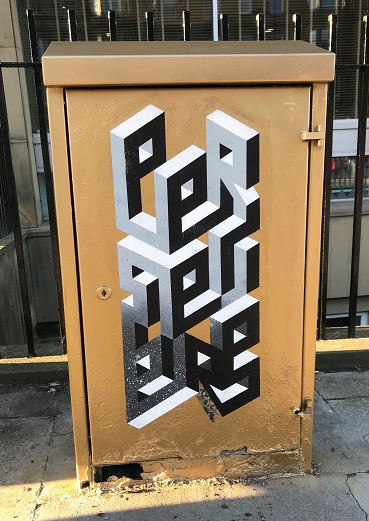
[9, 180]
[359, 181]
[9, 215]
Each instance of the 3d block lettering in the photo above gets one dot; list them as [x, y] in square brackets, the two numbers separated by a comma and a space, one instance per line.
[177, 280]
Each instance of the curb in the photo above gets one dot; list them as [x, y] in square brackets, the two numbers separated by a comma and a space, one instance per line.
[330, 361]
[21, 371]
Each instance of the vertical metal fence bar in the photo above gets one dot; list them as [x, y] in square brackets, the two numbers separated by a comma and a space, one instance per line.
[84, 19]
[49, 184]
[239, 20]
[224, 27]
[297, 26]
[359, 178]
[260, 27]
[326, 210]
[215, 20]
[287, 18]
[149, 15]
[5, 194]
[112, 26]
[138, 20]
[162, 22]
[6, 149]
[358, 56]
[72, 25]
[8, 204]
[2, 197]
[186, 23]
[57, 20]
[5, 210]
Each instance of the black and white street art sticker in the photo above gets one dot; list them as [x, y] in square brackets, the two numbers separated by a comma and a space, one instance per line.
[176, 279]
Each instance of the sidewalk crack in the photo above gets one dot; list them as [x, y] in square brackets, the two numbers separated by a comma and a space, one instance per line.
[326, 401]
[42, 484]
[51, 439]
[25, 417]
[359, 396]
[353, 496]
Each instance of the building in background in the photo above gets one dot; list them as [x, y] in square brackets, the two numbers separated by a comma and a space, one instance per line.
[92, 24]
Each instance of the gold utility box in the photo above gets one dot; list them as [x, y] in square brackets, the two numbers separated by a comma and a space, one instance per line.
[188, 182]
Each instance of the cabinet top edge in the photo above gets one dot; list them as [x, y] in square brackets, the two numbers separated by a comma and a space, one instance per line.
[77, 64]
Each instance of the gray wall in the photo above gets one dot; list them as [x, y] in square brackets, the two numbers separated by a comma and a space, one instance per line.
[340, 244]
[41, 286]
[42, 278]
[11, 321]
[19, 117]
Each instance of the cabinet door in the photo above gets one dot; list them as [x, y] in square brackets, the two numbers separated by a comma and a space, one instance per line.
[179, 421]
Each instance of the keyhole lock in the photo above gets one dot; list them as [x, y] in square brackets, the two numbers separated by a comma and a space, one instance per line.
[103, 292]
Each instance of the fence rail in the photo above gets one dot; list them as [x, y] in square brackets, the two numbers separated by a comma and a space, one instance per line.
[9, 216]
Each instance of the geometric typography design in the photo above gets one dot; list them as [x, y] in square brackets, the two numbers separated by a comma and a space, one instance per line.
[176, 281]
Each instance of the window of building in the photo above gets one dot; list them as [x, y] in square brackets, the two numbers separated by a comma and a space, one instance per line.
[341, 319]
[246, 6]
[276, 6]
[343, 178]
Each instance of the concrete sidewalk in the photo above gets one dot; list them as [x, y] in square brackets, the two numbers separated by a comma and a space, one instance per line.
[37, 461]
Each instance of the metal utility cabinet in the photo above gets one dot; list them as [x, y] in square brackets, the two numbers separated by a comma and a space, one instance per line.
[188, 182]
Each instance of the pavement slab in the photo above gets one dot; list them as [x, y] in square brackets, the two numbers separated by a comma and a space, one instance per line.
[354, 413]
[60, 471]
[32, 400]
[28, 416]
[23, 454]
[358, 485]
[24, 461]
[38, 479]
[349, 384]
[340, 442]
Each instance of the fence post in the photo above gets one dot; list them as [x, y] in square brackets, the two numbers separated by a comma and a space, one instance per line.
[186, 23]
[72, 25]
[260, 27]
[150, 26]
[297, 26]
[112, 26]
[224, 27]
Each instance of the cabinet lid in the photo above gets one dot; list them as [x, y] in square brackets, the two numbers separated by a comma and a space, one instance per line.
[78, 64]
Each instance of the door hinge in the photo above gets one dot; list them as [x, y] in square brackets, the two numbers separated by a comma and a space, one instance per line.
[317, 136]
[306, 408]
